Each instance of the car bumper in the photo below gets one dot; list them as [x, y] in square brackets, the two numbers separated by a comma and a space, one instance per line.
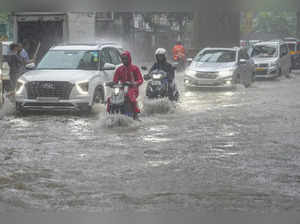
[208, 83]
[266, 73]
[50, 104]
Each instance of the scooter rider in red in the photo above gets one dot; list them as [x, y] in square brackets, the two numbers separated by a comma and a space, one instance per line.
[130, 73]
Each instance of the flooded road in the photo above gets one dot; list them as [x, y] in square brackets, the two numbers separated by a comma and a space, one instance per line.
[217, 150]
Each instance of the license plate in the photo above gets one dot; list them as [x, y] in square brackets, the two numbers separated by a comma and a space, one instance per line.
[260, 69]
[48, 99]
[156, 83]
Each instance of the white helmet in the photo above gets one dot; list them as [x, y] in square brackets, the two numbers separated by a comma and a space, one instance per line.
[160, 51]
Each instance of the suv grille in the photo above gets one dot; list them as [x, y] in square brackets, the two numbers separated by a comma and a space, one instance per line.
[261, 72]
[262, 65]
[207, 75]
[60, 90]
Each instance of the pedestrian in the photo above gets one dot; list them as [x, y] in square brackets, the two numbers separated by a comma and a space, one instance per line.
[16, 65]
[24, 55]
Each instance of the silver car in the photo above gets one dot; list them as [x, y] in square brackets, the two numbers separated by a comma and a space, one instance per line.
[272, 59]
[220, 67]
[69, 77]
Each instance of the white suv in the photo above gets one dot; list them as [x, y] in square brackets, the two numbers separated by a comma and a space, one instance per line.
[69, 77]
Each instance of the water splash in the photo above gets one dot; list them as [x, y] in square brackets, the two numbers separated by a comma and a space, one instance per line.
[116, 121]
[158, 106]
[7, 108]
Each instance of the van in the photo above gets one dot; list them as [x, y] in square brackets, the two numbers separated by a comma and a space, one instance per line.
[271, 58]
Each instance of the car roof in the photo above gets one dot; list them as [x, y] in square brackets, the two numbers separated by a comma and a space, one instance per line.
[272, 42]
[85, 46]
[222, 49]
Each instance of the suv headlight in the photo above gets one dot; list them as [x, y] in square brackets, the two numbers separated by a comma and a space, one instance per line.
[19, 86]
[226, 73]
[83, 87]
[274, 64]
[190, 72]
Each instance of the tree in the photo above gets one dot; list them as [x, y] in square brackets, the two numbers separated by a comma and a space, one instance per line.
[281, 23]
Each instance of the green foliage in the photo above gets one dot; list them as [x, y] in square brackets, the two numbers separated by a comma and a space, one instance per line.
[282, 23]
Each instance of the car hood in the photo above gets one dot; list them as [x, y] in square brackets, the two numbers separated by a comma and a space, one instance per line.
[59, 75]
[263, 60]
[211, 67]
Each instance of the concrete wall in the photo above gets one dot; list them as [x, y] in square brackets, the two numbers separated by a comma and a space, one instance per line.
[216, 29]
[81, 26]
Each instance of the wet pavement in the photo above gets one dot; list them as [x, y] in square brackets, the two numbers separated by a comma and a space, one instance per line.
[215, 150]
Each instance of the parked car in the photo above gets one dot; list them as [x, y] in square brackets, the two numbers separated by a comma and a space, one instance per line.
[294, 51]
[69, 77]
[220, 67]
[271, 58]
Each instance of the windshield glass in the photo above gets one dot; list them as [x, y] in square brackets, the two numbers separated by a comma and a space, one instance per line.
[71, 60]
[265, 51]
[216, 56]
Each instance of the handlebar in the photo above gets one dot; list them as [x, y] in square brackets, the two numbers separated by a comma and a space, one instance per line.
[113, 84]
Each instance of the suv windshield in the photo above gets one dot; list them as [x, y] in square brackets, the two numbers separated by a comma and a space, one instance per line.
[70, 60]
[216, 56]
[264, 51]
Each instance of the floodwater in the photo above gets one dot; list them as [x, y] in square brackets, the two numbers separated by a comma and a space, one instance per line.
[236, 150]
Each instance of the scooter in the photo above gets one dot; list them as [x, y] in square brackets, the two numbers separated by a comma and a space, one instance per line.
[158, 86]
[119, 102]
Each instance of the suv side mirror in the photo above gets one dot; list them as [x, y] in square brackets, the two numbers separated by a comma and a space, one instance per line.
[30, 66]
[109, 66]
[144, 68]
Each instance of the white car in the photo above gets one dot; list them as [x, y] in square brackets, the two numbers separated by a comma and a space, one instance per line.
[220, 68]
[272, 59]
[69, 77]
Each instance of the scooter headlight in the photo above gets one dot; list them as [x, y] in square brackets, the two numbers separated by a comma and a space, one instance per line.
[19, 86]
[157, 76]
[117, 91]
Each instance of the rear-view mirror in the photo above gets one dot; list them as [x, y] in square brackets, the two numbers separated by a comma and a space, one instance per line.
[109, 66]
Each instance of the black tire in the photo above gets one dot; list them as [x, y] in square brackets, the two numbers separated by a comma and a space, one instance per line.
[237, 79]
[20, 110]
[280, 73]
[253, 77]
[85, 110]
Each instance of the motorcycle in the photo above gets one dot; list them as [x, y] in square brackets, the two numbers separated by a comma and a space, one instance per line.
[180, 62]
[158, 86]
[119, 102]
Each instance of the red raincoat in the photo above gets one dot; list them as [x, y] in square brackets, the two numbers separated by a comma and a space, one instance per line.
[130, 73]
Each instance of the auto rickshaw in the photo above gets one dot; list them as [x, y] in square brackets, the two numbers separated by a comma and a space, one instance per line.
[294, 47]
